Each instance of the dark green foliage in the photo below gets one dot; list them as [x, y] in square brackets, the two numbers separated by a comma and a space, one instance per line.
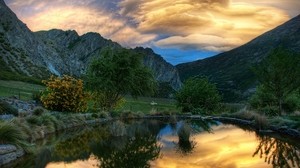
[6, 108]
[9, 134]
[279, 75]
[291, 103]
[38, 111]
[264, 101]
[198, 93]
[36, 96]
[116, 73]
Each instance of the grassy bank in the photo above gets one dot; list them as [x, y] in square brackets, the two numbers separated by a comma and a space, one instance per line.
[260, 121]
[22, 90]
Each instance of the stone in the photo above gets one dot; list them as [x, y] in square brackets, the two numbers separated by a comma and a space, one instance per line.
[4, 149]
[4, 159]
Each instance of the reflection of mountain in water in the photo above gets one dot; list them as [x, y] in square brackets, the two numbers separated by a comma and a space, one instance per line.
[277, 152]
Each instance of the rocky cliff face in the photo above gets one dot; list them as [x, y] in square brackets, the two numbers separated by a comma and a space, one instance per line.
[231, 70]
[60, 52]
[163, 71]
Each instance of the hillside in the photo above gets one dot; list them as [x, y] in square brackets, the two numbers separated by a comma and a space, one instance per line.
[231, 70]
[38, 54]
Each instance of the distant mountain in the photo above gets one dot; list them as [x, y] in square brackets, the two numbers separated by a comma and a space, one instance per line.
[39, 54]
[231, 71]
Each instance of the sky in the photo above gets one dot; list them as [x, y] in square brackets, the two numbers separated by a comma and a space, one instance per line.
[179, 30]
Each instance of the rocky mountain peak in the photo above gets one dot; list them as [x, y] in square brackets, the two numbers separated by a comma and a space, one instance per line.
[55, 51]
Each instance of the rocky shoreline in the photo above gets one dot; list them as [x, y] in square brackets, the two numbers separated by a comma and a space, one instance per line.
[9, 153]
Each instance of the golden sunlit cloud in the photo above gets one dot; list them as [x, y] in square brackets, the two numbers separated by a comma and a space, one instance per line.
[212, 25]
[86, 19]
[216, 25]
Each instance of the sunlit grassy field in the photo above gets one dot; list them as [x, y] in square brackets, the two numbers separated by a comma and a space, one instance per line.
[22, 90]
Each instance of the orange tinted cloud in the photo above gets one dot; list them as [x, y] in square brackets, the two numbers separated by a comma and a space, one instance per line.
[213, 25]
[216, 25]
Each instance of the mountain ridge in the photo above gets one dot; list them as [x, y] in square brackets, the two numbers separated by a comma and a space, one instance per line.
[39, 54]
[231, 70]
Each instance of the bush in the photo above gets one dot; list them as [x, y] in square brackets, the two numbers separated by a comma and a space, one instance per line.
[291, 103]
[38, 111]
[10, 134]
[198, 93]
[37, 97]
[264, 101]
[64, 94]
[6, 108]
[115, 114]
[270, 110]
[103, 114]
[94, 115]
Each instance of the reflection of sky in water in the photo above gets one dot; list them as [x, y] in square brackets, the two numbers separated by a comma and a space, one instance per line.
[227, 147]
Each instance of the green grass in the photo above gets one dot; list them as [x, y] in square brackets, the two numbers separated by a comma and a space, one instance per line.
[17, 88]
[143, 104]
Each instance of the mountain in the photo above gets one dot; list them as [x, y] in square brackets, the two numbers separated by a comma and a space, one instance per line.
[38, 54]
[231, 71]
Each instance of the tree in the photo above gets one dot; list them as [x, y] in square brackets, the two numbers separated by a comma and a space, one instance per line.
[279, 73]
[198, 93]
[64, 94]
[118, 72]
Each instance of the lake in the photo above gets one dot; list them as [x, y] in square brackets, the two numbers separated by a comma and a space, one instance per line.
[163, 144]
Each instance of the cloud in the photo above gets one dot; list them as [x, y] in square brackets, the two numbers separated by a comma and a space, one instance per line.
[210, 25]
[200, 42]
[215, 25]
[80, 16]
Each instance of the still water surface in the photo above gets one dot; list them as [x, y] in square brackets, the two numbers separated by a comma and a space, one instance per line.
[164, 144]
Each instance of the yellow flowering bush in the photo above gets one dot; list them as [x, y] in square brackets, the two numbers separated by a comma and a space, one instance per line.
[64, 94]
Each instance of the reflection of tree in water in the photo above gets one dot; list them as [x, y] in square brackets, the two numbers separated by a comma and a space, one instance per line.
[278, 152]
[185, 145]
[127, 152]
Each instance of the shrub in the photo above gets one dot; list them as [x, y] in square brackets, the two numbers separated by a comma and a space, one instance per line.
[115, 114]
[103, 114]
[37, 97]
[291, 103]
[64, 94]
[94, 115]
[6, 108]
[198, 93]
[12, 135]
[264, 101]
[38, 111]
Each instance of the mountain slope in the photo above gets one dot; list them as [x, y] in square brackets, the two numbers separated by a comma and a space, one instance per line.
[39, 54]
[231, 70]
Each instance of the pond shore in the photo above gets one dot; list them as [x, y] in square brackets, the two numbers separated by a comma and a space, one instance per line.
[7, 155]
[10, 153]
[283, 130]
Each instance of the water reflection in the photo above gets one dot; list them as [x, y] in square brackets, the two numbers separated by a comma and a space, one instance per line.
[136, 151]
[277, 152]
[185, 144]
[164, 144]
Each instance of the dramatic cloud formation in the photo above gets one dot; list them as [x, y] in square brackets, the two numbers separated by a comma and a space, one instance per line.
[216, 25]
[202, 25]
